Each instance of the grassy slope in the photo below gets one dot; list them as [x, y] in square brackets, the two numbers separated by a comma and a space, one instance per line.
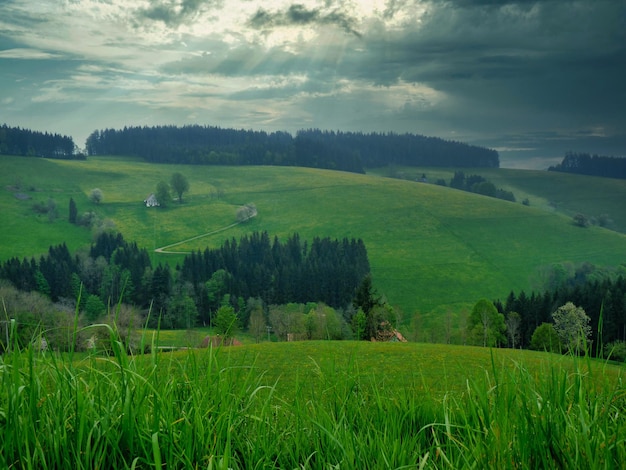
[551, 191]
[432, 249]
[23, 233]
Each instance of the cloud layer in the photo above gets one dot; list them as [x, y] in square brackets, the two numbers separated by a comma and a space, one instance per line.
[531, 78]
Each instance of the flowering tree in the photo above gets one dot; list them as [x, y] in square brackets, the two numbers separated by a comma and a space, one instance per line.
[96, 196]
[572, 325]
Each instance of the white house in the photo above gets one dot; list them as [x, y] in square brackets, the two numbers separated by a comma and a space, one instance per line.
[151, 201]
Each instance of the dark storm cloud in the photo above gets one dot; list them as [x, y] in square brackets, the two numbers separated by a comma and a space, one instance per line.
[523, 74]
[299, 15]
[567, 53]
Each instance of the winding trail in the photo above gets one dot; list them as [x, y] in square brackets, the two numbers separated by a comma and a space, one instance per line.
[164, 249]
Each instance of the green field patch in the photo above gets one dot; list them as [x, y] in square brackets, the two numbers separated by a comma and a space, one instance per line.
[564, 193]
[431, 248]
[310, 405]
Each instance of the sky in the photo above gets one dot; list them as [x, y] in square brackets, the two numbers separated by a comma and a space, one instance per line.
[531, 79]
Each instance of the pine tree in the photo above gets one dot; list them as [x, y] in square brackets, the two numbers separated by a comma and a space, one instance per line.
[73, 211]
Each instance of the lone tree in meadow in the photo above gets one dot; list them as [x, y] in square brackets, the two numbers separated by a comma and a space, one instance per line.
[96, 196]
[73, 211]
[179, 185]
[572, 325]
[163, 194]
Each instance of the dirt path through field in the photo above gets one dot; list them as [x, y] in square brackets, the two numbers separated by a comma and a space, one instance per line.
[164, 249]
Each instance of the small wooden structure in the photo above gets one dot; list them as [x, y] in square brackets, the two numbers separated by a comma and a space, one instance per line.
[217, 341]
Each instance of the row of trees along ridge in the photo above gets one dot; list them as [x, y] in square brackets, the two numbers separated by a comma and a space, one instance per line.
[27, 143]
[592, 165]
[348, 151]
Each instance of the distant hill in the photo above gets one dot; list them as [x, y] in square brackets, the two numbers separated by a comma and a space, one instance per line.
[432, 250]
[600, 199]
[313, 148]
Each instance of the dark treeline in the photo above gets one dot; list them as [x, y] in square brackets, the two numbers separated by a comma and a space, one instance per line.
[592, 165]
[114, 270]
[348, 151]
[24, 142]
[479, 185]
[326, 270]
[598, 295]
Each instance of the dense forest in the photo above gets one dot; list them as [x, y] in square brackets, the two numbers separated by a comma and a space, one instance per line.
[325, 271]
[347, 151]
[27, 143]
[113, 270]
[601, 295]
[592, 165]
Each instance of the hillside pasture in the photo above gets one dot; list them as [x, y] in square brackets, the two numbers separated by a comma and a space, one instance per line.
[554, 192]
[433, 250]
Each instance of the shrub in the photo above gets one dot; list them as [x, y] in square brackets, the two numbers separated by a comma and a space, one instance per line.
[581, 220]
[87, 219]
[246, 212]
[615, 351]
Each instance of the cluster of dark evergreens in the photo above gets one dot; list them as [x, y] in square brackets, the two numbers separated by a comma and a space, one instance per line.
[592, 165]
[325, 270]
[348, 151]
[479, 185]
[24, 142]
[114, 270]
[602, 298]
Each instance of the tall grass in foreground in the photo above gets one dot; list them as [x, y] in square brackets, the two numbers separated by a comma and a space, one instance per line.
[213, 409]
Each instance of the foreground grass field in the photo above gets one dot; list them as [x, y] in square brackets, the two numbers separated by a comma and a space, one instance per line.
[311, 405]
[433, 250]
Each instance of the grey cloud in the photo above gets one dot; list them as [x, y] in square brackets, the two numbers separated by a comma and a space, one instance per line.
[172, 13]
[516, 74]
[300, 15]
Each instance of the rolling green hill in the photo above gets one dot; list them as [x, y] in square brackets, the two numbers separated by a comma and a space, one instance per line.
[566, 194]
[432, 249]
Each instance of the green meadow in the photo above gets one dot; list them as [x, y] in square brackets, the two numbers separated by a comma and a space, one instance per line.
[313, 404]
[432, 249]
[554, 192]
[310, 405]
